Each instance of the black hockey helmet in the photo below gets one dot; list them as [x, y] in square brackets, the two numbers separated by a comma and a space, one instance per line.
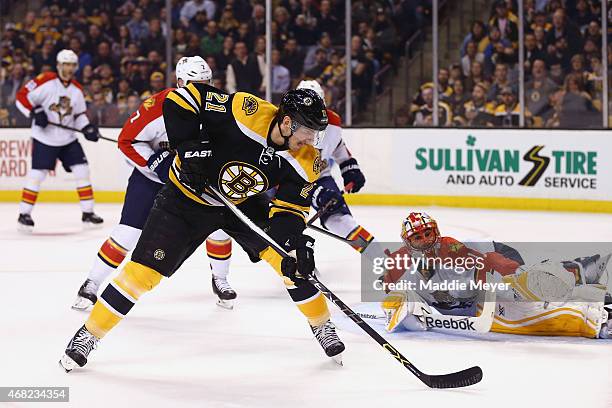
[305, 107]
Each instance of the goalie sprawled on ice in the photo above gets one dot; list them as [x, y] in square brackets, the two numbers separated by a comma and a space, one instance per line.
[433, 275]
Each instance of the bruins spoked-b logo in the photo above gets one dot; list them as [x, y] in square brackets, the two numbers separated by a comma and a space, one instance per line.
[249, 105]
[240, 180]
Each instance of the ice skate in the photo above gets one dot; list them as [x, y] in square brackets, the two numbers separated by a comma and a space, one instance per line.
[25, 223]
[91, 220]
[86, 296]
[329, 340]
[78, 349]
[224, 292]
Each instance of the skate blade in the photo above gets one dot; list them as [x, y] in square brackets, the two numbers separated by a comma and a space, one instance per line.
[225, 304]
[90, 226]
[67, 363]
[338, 359]
[26, 229]
[81, 304]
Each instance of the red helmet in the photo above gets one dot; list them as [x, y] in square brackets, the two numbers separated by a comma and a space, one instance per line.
[415, 223]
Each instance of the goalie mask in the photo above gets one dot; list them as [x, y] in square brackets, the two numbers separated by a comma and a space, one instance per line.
[307, 112]
[419, 231]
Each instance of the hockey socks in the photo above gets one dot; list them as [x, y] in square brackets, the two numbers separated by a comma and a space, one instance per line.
[119, 297]
[219, 251]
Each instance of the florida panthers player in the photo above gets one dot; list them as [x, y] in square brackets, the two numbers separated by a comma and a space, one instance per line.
[57, 98]
[143, 141]
[338, 218]
[548, 298]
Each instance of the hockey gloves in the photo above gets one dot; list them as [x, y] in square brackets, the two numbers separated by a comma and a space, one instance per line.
[194, 156]
[352, 175]
[300, 267]
[324, 196]
[91, 133]
[160, 163]
[39, 116]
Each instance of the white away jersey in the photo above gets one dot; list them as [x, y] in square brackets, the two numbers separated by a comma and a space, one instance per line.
[63, 104]
[334, 149]
[143, 132]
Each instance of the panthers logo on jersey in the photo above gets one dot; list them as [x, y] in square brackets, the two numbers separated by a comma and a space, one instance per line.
[240, 180]
[62, 107]
[250, 105]
[148, 103]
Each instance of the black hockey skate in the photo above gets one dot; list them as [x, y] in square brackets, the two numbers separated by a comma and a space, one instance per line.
[224, 292]
[329, 340]
[91, 220]
[78, 349]
[25, 223]
[86, 296]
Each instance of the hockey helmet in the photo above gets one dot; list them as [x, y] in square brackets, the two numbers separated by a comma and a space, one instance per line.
[67, 57]
[193, 69]
[306, 109]
[415, 223]
[314, 85]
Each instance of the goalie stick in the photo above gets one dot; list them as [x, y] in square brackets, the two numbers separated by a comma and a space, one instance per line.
[457, 379]
[59, 125]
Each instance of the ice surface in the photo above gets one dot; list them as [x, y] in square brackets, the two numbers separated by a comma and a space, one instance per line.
[177, 348]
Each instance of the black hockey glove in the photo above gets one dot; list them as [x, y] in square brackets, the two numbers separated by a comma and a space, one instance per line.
[91, 133]
[354, 179]
[160, 163]
[195, 156]
[39, 116]
[300, 267]
[322, 196]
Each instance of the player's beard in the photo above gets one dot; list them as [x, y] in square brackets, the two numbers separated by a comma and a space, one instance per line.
[65, 74]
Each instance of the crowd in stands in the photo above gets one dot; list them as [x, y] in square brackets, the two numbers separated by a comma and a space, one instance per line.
[563, 70]
[121, 45]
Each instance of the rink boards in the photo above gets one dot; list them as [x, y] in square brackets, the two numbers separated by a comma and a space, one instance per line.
[487, 168]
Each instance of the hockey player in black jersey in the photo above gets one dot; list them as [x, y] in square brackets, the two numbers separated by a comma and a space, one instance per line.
[243, 146]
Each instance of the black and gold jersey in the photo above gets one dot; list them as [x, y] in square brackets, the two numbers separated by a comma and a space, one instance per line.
[243, 163]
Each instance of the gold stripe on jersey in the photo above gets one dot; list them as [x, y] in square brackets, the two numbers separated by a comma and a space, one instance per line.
[254, 114]
[195, 93]
[276, 209]
[306, 161]
[284, 206]
[180, 101]
[297, 207]
[174, 178]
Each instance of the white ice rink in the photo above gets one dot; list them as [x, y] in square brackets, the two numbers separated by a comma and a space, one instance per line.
[178, 349]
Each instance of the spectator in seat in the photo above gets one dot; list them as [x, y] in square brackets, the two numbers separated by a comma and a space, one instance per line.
[228, 24]
[226, 55]
[539, 89]
[157, 84]
[478, 112]
[477, 34]
[457, 102]
[471, 55]
[84, 57]
[212, 42]
[563, 28]
[577, 110]
[243, 72]
[424, 113]
[476, 76]
[293, 59]
[281, 79]
[155, 40]
[326, 21]
[324, 44]
[321, 62]
[139, 29]
[102, 113]
[305, 34]
[532, 52]
[257, 25]
[501, 80]
[505, 22]
[507, 112]
[192, 7]
[243, 34]
[45, 56]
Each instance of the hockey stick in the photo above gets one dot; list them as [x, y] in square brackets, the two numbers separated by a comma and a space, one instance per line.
[358, 241]
[59, 125]
[461, 378]
[479, 324]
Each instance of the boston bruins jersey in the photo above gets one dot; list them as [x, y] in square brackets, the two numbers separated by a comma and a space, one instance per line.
[243, 163]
